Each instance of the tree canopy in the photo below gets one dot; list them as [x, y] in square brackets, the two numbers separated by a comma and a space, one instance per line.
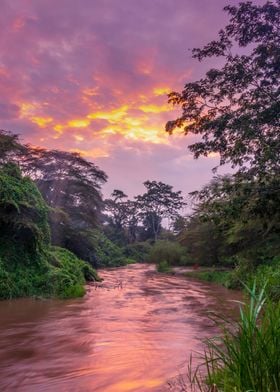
[235, 109]
[158, 202]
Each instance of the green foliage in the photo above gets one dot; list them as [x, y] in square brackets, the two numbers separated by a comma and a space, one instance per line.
[139, 251]
[23, 211]
[9, 146]
[129, 261]
[264, 274]
[246, 357]
[158, 202]
[268, 275]
[163, 267]
[94, 247]
[29, 266]
[214, 276]
[172, 252]
[69, 273]
[203, 241]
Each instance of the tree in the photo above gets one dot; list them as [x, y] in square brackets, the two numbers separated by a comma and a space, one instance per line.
[70, 185]
[122, 217]
[9, 146]
[236, 108]
[116, 206]
[241, 216]
[158, 202]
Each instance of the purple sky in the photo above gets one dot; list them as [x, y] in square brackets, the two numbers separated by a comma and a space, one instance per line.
[92, 76]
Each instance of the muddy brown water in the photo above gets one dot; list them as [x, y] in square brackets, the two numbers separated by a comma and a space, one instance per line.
[133, 333]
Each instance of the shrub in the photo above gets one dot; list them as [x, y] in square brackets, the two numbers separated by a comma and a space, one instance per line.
[94, 247]
[172, 252]
[163, 267]
[214, 276]
[264, 274]
[129, 261]
[138, 251]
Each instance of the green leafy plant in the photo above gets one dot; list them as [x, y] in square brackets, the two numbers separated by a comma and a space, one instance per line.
[246, 356]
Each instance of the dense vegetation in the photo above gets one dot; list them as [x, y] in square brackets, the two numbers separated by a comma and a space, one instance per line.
[53, 216]
[235, 110]
[236, 220]
[246, 356]
[29, 265]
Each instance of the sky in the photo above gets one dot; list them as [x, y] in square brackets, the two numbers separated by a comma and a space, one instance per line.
[93, 75]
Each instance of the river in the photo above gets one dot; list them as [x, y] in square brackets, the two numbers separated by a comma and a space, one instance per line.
[132, 333]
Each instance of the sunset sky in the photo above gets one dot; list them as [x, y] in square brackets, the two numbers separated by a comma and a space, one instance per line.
[92, 76]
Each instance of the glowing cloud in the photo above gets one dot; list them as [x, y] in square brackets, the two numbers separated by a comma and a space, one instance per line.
[81, 123]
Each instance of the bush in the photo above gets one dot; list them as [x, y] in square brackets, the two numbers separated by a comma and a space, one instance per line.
[172, 252]
[163, 267]
[265, 274]
[129, 261]
[213, 276]
[268, 276]
[94, 247]
[138, 251]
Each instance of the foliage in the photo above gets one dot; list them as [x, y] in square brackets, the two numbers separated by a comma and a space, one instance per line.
[23, 212]
[236, 108]
[69, 273]
[235, 218]
[246, 357]
[203, 241]
[138, 251]
[172, 252]
[122, 218]
[94, 247]
[265, 275]
[158, 202]
[128, 221]
[70, 185]
[163, 267]
[28, 264]
[48, 273]
[213, 276]
[9, 146]
[116, 206]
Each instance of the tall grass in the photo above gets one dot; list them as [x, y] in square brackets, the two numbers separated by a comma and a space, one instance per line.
[246, 358]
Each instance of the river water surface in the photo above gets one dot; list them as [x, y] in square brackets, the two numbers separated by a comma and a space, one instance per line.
[132, 333]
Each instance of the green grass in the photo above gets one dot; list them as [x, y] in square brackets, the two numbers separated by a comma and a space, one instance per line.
[246, 357]
[214, 276]
[129, 261]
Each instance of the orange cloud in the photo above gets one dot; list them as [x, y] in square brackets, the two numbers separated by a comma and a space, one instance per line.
[161, 91]
[155, 108]
[80, 123]
[42, 122]
[111, 116]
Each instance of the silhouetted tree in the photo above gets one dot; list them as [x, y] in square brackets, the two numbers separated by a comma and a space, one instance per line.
[236, 108]
[158, 202]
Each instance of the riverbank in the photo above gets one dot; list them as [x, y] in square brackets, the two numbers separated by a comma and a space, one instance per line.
[211, 275]
[266, 275]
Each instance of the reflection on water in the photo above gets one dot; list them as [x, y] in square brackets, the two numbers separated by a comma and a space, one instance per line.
[132, 333]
